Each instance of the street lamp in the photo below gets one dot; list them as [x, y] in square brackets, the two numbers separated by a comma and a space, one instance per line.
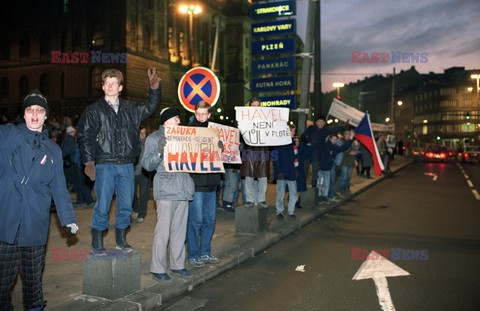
[191, 10]
[399, 103]
[476, 76]
[338, 85]
[387, 119]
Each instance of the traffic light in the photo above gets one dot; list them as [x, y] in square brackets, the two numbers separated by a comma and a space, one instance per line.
[467, 116]
[339, 97]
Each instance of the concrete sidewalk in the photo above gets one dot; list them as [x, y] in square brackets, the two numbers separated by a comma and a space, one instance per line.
[62, 279]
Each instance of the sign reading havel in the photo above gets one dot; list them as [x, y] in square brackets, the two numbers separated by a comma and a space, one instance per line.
[263, 126]
[273, 9]
[192, 150]
[230, 137]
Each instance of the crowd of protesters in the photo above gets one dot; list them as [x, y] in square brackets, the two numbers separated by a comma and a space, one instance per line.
[107, 151]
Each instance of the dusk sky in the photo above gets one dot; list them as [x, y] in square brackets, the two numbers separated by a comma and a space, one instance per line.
[448, 30]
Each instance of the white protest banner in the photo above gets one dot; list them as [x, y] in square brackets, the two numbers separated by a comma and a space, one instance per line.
[263, 126]
[344, 112]
[230, 137]
[192, 150]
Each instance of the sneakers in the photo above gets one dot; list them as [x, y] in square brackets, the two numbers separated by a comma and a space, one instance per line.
[162, 277]
[333, 199]
[209, 258]
[248, 204]
[134, 215]
[99, 251]
[140, 219]
[263, 205]
[292, 216]
[183, 273]
[196, 262]
[228, 209]
[280, 216]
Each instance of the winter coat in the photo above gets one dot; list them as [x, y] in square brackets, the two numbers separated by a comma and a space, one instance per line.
[107, 137]
[329, 152]
[367, 160]
[286, 162]
[166, 186]
[31, 174]
[322, 135]
[255, 161]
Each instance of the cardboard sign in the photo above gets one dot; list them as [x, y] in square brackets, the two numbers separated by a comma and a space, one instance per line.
[230, 137]
[192, 150]
[263, 126]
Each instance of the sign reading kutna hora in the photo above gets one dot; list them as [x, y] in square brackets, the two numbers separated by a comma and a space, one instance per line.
[192, 150]
[263, 126]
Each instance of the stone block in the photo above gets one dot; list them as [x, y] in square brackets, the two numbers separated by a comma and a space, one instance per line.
[250, 220]
[112, 276]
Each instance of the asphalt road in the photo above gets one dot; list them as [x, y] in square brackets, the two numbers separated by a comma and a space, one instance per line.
[412, 211]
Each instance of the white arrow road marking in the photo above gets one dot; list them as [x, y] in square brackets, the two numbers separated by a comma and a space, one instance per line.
[379, 270]
[432, 174]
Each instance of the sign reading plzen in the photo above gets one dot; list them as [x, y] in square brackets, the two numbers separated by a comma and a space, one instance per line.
[230, 137]
[263, 126]
[192, 150]
[276, 46]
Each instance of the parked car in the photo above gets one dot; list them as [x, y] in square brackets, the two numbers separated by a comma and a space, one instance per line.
[417, 153]
[469, 154]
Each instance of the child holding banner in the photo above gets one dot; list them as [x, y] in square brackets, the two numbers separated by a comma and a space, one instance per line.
[171, 191]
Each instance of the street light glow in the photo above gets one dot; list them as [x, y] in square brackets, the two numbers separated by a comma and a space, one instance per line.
[338, 84]
[190, 9]
[387, 119]
[399, 103]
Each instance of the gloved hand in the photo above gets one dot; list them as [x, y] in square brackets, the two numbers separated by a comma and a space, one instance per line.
[90, 170]
[220, 145]
[161, 144]
[71, 229]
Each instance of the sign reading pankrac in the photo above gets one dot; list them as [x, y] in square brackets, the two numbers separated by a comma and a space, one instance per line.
[192, 150]
[230, 137]
[263, 126]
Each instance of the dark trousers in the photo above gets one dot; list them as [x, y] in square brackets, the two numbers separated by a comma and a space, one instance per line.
[141, 195]
[30, 260]
[314, 162]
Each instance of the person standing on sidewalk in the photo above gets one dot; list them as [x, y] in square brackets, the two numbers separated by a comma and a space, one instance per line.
[255, 169]
[108, 132]
[142, 182]
[347, 164]
[171, 191]
[202, 210]
[32, 174]
[286, 173]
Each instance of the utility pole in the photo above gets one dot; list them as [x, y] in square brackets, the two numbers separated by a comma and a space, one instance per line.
[317, 63]
[307, 65]
[392, 104]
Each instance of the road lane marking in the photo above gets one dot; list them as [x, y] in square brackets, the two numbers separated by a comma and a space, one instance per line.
[469, 182]
[475, 193]
[379, 270]
[435, 176]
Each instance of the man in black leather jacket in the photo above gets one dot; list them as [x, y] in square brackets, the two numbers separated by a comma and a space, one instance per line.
[108, 132]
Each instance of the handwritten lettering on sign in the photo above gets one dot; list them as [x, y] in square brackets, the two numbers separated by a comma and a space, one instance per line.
[263, 126]
[192, 150]
[230, 137]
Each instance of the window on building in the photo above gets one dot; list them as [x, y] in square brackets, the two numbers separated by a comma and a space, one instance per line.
[23, 87]
[97, 35]
[44, 84]
[5, 48]
[24, 46]
[146, 38]
[62, 85]
[45, 45]
[4, 88]
[95, 81]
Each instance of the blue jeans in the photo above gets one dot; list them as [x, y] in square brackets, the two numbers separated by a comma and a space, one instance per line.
[201, 224]
[345, 177]
[332, 190]
[118, 179]
[323, 183]
[256, 190]
[292, 196]
[230, 192]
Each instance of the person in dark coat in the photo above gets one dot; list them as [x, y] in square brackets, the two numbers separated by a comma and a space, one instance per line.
[31, 175]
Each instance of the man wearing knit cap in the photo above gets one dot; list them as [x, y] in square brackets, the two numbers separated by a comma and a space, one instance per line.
[171, 191]
[108, 133]
[32, 175]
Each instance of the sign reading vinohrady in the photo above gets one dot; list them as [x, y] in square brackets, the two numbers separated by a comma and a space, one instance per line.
[192, 150]
[263, 126]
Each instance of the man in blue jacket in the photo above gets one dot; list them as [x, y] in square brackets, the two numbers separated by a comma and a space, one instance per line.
[108, 132]
[31, 169]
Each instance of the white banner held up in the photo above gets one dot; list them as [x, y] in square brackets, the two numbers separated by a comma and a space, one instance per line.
[230, 137]
[263, 126]
[344, 112]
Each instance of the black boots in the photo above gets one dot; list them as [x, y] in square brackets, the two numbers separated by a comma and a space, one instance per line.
[120, 235]
[97, 243]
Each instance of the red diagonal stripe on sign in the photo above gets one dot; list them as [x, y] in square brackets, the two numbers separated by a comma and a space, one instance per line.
[197, 89]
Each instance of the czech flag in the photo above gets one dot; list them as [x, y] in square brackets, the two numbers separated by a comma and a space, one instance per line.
[363, 133]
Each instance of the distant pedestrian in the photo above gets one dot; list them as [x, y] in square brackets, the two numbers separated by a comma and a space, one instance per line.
[367, 162]
[142, 183]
